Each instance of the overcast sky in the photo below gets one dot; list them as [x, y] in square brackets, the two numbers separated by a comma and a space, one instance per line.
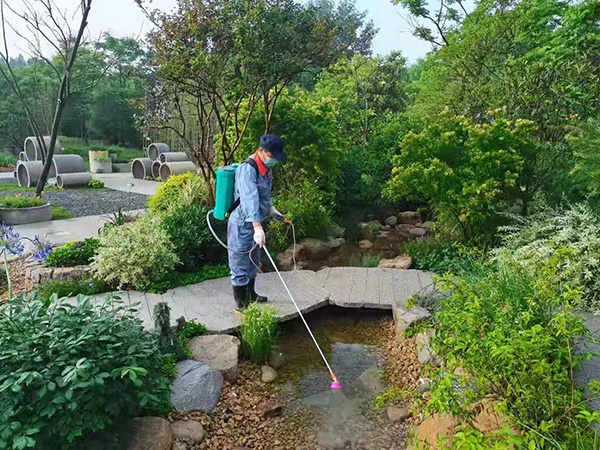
[123, 18]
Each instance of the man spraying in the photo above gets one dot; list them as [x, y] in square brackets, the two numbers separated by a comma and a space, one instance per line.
[245, 233]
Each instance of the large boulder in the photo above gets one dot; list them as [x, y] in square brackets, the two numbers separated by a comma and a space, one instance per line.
[391, 221]
[418, 232]
[365, 245]
[314, 250]
[409, 217]
[189, 431]
[197, 387]
[148, 433]
[218, 351]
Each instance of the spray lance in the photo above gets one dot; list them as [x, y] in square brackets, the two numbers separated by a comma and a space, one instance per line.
[224, 193]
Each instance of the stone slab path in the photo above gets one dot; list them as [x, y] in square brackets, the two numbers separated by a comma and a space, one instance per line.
[590, 369]
[126, 183]
[211, 302]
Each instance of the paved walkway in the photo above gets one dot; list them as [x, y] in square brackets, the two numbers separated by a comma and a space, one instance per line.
[590, 369]
[211, 302]
[126, 183]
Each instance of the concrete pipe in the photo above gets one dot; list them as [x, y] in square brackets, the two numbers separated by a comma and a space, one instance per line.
[141, 168]
[155, 150]
[73, 180]
[33, 150]
[29, 172]
[156, 169]
[176, 168]
[22, 156]
[68, 164]
[173, 157]
[15, 174]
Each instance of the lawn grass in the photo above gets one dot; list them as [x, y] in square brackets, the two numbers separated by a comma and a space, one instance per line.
[76, 146]
[60, 212]
[13, 186]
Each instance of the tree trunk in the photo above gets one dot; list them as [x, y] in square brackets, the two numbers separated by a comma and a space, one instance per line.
[63, 95]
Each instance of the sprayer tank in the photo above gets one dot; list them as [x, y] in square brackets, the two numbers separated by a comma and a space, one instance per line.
[224, 190]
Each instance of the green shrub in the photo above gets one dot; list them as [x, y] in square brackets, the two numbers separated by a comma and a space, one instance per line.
[135, 254]
[168, 343]
[441, 257]
[96, 184]
[7, 160]
[513, 332]
[68, 370]
[575, 230]
[176, 279]
[72, 286]
[75, 253]
[189, 233]
[19, 201]
[258, 332]
[99, 155]
[365, 259]
[185, 189]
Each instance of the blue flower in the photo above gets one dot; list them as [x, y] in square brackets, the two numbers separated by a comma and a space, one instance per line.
[41, 249]
[10, 240]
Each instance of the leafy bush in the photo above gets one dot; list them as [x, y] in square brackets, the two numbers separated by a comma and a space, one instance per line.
[440, 257]
[189, 233]
[7, 160]
[258, 332]
[76, 253]
[513, 332]
[575, 230]
[179, 190]
[72, 286]
[19, 201]
[68, 370]
[135, 254]
[586, 141]
[176, 279]
[463, 169]
[96, 184]
[99, 155]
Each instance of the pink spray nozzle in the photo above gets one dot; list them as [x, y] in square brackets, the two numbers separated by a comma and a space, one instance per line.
[336, 385]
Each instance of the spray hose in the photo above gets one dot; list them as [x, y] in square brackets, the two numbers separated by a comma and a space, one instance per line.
[335, 384]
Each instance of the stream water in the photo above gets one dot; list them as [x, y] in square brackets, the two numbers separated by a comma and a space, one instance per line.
[353, 343]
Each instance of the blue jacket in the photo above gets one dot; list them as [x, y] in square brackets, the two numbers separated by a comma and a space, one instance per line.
[253, 188]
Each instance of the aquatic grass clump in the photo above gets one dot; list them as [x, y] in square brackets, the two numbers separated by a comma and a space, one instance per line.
[258, 332]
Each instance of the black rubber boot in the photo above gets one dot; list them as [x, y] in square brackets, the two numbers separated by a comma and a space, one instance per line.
[254, 297]
[240, 295]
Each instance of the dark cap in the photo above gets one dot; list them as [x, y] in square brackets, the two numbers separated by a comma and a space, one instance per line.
[274, 145]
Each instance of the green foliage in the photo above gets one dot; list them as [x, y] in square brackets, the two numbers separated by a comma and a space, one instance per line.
[188, 330]
[99, 155]
[7, 160]
[513, 331]
[19, 201]
[365, 259]
[135, 254]
[575, 231]
[168, 343]
[117, 219]
[390, 396]
[76, 146]
[189, 234]
[586, 142]
[440, 257]
[68, 370]
[60, 213]
[73, 286]
[179, 190]
[75, 253]
[96, 184]
[176, 279]
[258, 332]
[462, 169]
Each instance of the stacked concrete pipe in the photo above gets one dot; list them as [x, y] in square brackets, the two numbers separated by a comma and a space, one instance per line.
[157, 149]
[33, 150]
[176, 168]
[156, 169]
[173, 157]
[29, 173]
[73, 180]
[22, 156]
[141, 168]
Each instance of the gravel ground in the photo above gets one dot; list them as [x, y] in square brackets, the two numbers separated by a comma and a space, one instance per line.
[90, 202]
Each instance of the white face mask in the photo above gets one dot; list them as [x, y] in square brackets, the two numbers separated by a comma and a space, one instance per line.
[269, 162]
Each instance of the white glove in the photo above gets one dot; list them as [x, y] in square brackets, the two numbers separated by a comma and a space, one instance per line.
[259, 236]
[276, 214]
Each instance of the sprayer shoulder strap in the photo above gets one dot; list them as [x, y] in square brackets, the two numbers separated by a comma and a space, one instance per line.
[236, 202]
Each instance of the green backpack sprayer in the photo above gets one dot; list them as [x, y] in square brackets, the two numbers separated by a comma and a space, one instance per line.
[225, 204]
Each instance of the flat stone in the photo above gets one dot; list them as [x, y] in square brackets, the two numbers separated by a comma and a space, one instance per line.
[424, 352]
[391, 221]
[395, 414]
[189, 431]
[409, 217]
[404, 319]
[335, 243]
[365, 245]
[314, 249]
[149, 433]
[370, 382]
[269, 409]
[219, 352]
[41, 275]
[197, 387]
[268, 374]
[400, 262]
